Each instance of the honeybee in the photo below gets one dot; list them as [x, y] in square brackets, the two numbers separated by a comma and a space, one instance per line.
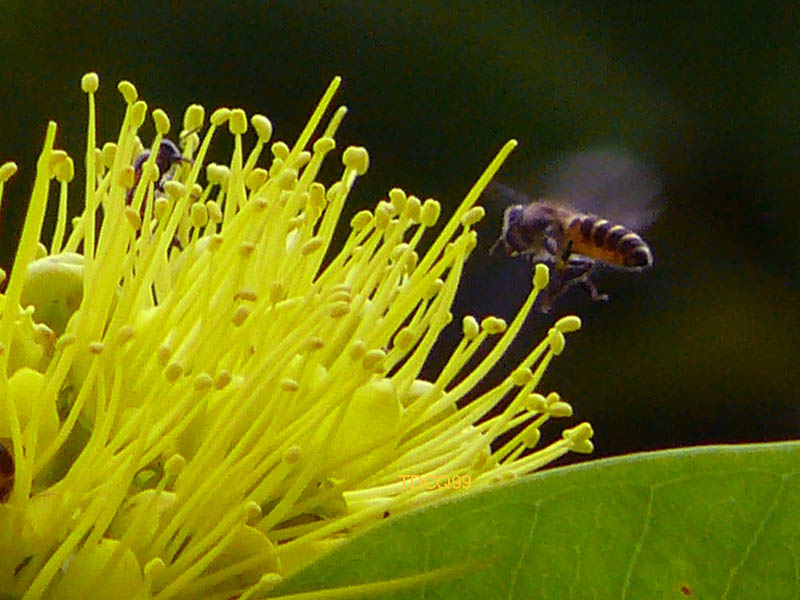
[559, 231]
[168, 156]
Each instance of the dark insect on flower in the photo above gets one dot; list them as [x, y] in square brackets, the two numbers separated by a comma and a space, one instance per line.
[6, 471]
[168, 156]
[558, 231]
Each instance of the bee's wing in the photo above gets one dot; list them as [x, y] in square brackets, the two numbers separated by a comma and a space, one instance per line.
[500, 196]
[608, 182]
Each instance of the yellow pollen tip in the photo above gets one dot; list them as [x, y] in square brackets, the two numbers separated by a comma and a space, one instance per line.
[127, 177]
[154, 567]
[172, 372]
[430, 212]
[214, 173]
[161, 121]
[360, 220]
[398, 199]
[531, 436]
[560, 409]
[312, 246]
[174, 465]
[535, 403]
[108, 153]
[288, 179]
[405, 338]
[373, 359]
[202, 382]
[472, 216]
[237, 122]
[263, 127]
[579, 437]
[356, 158]
[56, 157]
[289, 385]
[400, 251]
[174, 189]
[193, 117]
[280, 150]
[413, 209]
[339, 309]
[493, 325]
[90, 82]
[556, 340]
[240, 315]
[252, 511]
[224, 377]
[160, 208]
[383, 214]
[292, 455]
[97, 347]
[126, 332]
[133, 217]
[541, 276]
[219, 116]
[138, 113]
[358, 349]
[64, 341]
[434, 289]
[568, 324]
[315, 343]
[324, 145]
[470, 327]
[198, 215]
[246, 249]
[7, 171]
[521, 376]
[256, 178]
[341, 295]
[276, 292]
[128, 91]
[65, 170]
[214, 211]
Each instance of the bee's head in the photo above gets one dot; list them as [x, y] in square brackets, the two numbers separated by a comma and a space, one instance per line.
[509, 238]
[168, 155]
[526, 229]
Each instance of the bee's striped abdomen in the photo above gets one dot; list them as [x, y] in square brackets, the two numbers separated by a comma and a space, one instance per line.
[600, 239]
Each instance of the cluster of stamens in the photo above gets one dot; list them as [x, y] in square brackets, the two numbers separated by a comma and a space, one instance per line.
[216, 401]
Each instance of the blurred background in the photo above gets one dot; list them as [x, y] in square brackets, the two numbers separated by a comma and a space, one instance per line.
[700, 349]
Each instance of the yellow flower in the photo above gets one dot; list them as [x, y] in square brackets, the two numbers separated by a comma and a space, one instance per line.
[199, 397]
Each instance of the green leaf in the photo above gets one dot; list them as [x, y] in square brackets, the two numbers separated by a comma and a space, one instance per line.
[708, 522]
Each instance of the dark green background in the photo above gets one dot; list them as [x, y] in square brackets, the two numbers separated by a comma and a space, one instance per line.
[700, 349]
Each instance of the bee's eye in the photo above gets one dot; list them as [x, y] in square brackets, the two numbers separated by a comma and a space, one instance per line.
[513, 216]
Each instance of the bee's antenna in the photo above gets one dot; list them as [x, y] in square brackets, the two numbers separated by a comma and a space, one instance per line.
[495, 246]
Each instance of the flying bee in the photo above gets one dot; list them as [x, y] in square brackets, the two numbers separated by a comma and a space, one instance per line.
[572, 241]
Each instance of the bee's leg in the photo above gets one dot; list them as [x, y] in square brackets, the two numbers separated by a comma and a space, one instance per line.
[551, 245]
[590, 287]
[500, 242]
[578, 272]
[577, 269]
[566, 254]
[565, 271]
